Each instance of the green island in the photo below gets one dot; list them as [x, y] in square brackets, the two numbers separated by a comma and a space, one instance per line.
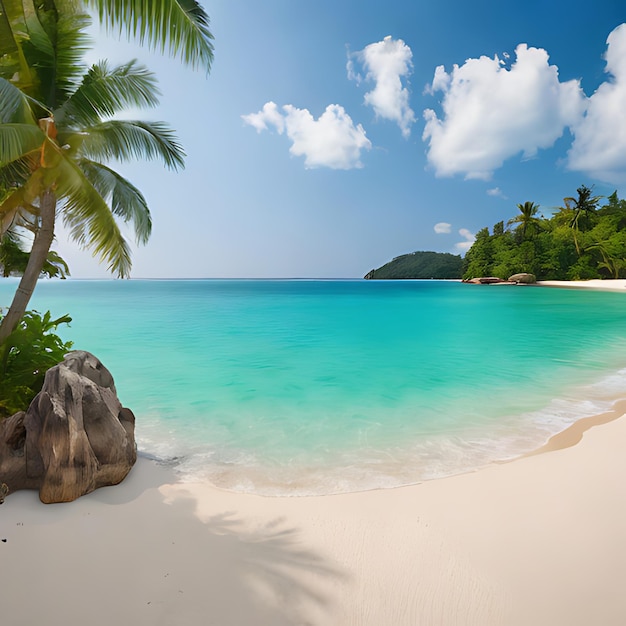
[583, 239]
[439, 265]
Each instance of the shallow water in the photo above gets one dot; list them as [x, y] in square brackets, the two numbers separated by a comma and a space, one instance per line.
[297, 387]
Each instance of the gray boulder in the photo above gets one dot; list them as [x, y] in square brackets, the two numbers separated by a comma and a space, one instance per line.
[75, 436]
[523, 278]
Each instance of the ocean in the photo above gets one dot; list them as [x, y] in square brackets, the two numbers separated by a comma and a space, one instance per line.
[297, 387]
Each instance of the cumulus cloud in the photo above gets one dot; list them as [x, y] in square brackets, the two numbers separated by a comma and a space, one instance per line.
[496, 192]
[332, 140]
[443, 228]
[386, 63]
[491, 113]
[468, 240]
[599, 147]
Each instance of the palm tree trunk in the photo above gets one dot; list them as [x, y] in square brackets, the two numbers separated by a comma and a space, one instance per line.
[38, 255]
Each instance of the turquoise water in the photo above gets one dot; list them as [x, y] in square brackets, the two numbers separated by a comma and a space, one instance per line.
[297, 387]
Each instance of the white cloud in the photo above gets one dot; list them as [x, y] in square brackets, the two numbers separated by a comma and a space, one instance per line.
[330, 141]
[441, 80]
[599, 147]
[464, 246]
[496, 192]
[386, 63]
[269, 115]
[491, 113]
[443, 228]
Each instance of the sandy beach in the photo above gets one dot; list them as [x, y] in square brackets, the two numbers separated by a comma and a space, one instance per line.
[539, 540]
[618, 284]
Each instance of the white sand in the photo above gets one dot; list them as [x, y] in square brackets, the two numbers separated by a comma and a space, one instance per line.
[539, 541]
[604, 285]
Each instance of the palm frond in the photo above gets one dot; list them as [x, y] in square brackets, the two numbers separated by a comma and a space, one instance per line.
[15, 105]
[55, 266]
[16, 173]
[62, 69]
[9, 49]
[104, 92]
[10, 207]
[125, 200]
[13, 33]
[90, 220]
[180, 26]
[131, 139]
[18, 140]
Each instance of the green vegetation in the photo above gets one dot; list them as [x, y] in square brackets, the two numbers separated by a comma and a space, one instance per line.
[14, 259]
[29, 351]
[178, 26]
[420, 265]
[581, 240]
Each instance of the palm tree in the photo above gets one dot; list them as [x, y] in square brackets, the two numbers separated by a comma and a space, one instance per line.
[527, 220]
[54, 140]
[580, 210]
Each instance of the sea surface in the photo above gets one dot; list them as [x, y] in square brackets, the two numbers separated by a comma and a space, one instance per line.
[297, 387]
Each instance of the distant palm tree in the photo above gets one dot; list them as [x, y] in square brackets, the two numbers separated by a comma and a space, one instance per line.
[56, 135]
[528, 221]
[580, 210]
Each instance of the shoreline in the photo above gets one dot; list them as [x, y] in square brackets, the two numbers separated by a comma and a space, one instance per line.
[586, 406]
[536, 540]
[573, 434]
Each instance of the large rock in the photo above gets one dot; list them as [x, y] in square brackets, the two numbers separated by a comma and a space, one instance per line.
[523, 278]
[75, 436]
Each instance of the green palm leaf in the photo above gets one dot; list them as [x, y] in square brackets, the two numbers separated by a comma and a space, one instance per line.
[46, 40]
[58, 53]
[18, 141]
[130, 139]
[90, 220]
[15, 105]
[13, 33]
[182, 26]
[104, 92]
[125, 200]
[16, 207]
[16, 173]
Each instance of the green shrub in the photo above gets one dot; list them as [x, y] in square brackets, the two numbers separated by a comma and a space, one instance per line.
[25, 356]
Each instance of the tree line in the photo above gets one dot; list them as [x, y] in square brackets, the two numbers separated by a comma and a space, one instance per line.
[583, 239]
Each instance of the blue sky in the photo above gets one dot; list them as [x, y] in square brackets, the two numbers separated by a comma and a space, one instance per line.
[331, 136]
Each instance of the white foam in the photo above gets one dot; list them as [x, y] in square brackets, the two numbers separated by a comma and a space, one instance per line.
[426, 457]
